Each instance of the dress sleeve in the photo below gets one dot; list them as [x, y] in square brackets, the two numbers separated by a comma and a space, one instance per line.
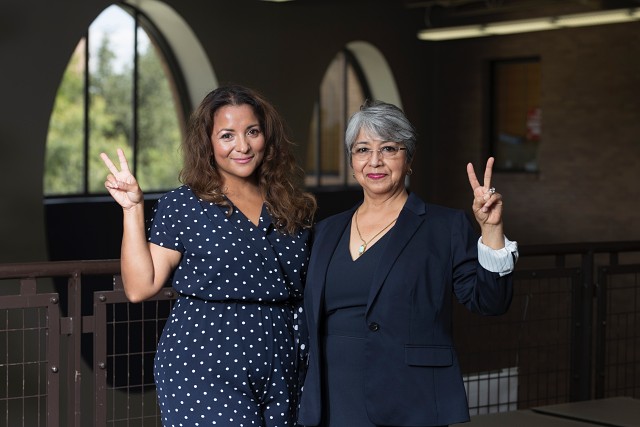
[164, 229]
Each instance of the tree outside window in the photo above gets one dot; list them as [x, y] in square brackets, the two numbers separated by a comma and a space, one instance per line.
[120, 90]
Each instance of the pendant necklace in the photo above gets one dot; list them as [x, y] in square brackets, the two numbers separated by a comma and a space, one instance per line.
[363, 246]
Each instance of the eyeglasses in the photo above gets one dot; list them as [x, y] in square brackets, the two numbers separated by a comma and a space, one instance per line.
[386, 152]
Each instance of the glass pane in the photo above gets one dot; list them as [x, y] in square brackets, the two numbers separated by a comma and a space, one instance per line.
[159, 132]
[311, 168]
[341, 94]
[516, 115]
[355, 98]
[111, 42]
[109, 111]
[331, 121]
[64, 151]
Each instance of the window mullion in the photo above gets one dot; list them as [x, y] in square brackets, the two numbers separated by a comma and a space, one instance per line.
[318, 148]
[86, 117]
[345, 103]
[134, 97]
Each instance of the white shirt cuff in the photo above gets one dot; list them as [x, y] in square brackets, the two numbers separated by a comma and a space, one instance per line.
[500, 261]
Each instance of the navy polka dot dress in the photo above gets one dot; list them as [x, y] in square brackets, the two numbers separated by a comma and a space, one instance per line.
[230, 351]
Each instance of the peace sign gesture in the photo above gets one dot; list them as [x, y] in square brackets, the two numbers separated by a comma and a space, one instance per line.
[487, 204]
[122, 185]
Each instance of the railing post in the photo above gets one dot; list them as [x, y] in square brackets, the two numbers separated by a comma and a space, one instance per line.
[100, 359]
[74, 360]
[53, 356]
[584, 324]
[601, 342]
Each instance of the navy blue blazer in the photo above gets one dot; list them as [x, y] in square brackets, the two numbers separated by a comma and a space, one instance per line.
[413, 377]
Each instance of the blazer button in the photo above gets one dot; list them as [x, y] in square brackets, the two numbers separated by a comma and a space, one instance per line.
[374, 327]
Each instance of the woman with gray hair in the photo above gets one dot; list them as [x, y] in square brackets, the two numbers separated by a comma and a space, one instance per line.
[380, 283]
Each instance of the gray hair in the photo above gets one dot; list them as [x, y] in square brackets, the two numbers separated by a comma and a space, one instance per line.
[383, 121]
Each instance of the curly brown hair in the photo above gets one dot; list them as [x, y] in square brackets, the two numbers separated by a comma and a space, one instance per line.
[278, 175]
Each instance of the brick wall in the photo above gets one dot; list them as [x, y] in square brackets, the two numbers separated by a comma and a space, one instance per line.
[588, 185]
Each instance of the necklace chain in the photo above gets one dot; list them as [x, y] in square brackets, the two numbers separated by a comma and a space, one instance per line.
[363, 246]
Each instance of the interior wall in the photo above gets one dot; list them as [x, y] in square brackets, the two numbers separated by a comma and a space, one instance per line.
[36, 43]
[280, 49]
[586, 189]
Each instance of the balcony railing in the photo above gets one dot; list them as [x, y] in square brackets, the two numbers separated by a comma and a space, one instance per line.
[74, 352]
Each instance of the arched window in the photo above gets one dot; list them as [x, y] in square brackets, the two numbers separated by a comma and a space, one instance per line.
[342, 91]
[120, 89]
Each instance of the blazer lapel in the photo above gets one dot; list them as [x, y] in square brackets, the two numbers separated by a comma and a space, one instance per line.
[411, 216]
[321, 253]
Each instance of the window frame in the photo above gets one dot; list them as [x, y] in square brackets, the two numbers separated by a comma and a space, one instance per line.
[177, 84]
[314, 179]
[494, 107]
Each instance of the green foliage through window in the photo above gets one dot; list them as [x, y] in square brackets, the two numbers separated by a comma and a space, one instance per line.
[117, 92]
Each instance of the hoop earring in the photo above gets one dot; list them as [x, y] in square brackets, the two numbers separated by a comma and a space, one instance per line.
[410, 172]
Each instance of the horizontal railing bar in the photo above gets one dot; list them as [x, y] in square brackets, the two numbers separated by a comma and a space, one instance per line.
[578, 248]
[58, 268]
[112, 266]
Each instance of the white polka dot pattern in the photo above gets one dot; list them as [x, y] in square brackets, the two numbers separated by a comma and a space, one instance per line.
[230, 352]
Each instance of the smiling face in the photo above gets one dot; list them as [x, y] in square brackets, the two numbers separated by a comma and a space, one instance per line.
[378, 175]
[238, 142]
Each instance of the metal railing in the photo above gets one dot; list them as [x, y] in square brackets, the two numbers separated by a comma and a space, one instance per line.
[75, 352]
[67, 329]
[572, 332]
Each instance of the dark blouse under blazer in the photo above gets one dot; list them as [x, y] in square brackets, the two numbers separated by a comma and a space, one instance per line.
[412, 372]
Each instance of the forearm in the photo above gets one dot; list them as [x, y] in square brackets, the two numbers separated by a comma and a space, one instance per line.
[136, 263]
[493, 236]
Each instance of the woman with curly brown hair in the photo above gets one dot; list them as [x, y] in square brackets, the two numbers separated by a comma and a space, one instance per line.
[234, 239]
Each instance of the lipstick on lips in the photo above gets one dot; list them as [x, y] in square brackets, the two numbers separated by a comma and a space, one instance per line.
[243, 160]
[376, 175]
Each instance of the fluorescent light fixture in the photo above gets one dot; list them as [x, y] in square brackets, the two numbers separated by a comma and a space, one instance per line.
[449, 33]
[596, 18]
[522, 26]
[527, 25]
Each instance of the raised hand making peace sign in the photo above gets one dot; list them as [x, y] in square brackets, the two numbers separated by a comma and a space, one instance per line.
[122, 185]
[487, 206]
